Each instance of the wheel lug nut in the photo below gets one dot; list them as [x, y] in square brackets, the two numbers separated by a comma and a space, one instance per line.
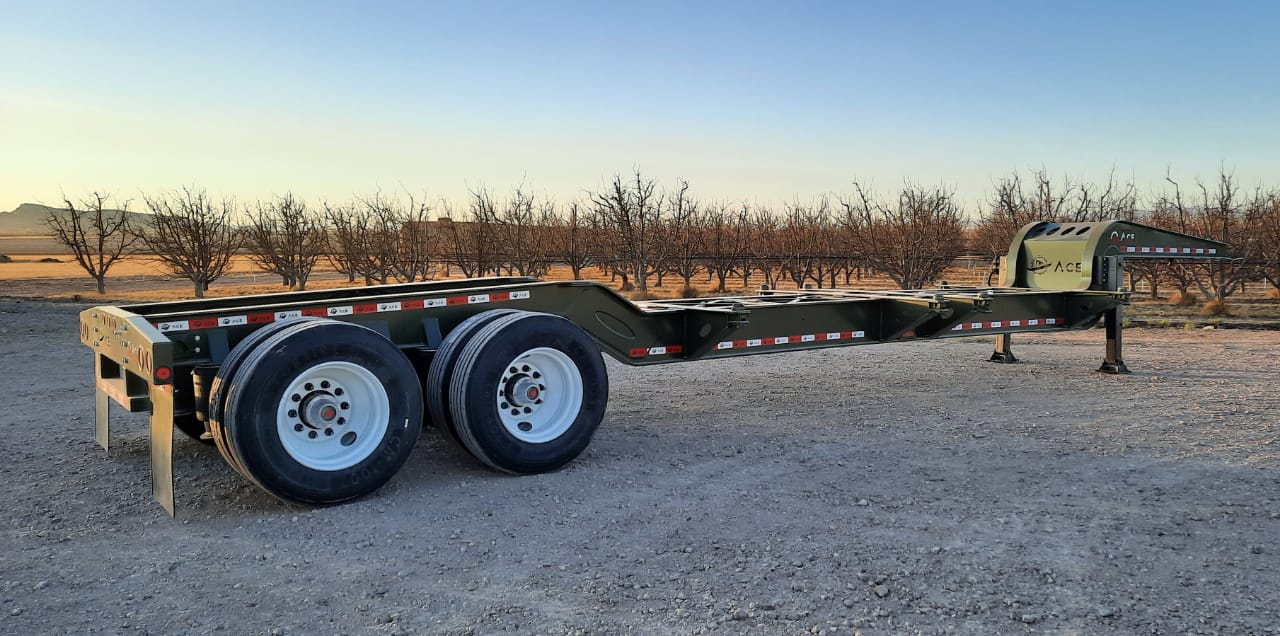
[309, 386]
[515, 411]
[538, 402]
[504, 405]
[514, 370]
[311, 434]
[525, 368]
[328, 431]
[324, 384]
[337, 391]
[345, 405]
[536, 375]
[528, 410]
[295, 397]
[297, 427]
[293, 413]
[342, 420]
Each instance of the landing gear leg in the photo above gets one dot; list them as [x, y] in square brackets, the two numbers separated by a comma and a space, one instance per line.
[1114, 362]
[1003, 352]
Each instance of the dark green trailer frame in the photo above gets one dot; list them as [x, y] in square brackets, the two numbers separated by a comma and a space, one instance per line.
[160, 357]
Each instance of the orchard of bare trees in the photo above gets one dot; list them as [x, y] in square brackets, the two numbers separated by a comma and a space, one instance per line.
[644, 234]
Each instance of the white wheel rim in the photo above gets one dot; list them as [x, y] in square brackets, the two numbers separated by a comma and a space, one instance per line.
[333, 415]
[539, 395]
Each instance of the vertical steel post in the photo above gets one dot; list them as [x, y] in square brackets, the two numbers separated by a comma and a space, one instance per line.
[102, 406]
[1114, 361]
[1004, 349]
[162, 445]
[1003, 352]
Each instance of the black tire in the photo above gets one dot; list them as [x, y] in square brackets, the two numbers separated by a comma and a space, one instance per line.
[387, 412]
[485, 366]
[221, 383]
[435, 386]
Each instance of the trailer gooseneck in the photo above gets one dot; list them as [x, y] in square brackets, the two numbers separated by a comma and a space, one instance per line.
[319, 396]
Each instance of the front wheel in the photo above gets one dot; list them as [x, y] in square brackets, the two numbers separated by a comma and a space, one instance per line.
[528, 392]
[323, 412]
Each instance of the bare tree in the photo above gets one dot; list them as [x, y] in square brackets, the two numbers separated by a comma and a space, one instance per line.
[471, 241]
[574, 239]
[286, 238]
[1220, 215]
[727, 240]
[685, 229]
[521, 232]
[630, 214]
[1265, 209]
[97, 234]
[345, 238]
[193, 235]
[913, 240]
[799, 240]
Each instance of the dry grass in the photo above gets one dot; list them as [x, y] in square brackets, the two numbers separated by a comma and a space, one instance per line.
[1184, 299]
[1273, 293]
[1215, 307]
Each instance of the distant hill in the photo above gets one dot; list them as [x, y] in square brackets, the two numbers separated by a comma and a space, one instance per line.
[27, 220]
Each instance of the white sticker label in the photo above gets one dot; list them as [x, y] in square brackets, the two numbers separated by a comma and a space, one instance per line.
[657, 351]
[519, 295]
[725, 345]
[1050, 321]
[834, 335]
[177, 325]
[287, 315]
[341, 311]
[808, 338]
[996, 324]
[781, 340]
[389, 306]
[1015, 323]
[975, 325]
[859, 334]
[1033, 322]
[231, 321]
[477, 299]
[434, 302]
[754, 342]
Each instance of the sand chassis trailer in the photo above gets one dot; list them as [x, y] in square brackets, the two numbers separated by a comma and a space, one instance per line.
[319, 396]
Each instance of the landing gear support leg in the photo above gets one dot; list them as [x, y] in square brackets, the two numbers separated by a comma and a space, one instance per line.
[1114, 362]
[1003, 352]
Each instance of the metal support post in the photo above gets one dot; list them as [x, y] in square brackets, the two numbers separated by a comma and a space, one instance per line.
[1114, 362]
[1003, 352]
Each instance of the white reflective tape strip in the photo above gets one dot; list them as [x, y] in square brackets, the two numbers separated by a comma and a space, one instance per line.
[434, 302]
[1131, 249]
[859, 334]
[288, 315]
[958, 327]
[395, 306]
[657, 351]
[808, 338]
[975, 325]
[1050, 321]
[995, 324]
[725, 345]
[1213, 251]
[345, 310]
[231, 321]
[1033, 322]
[1145, 250]
[1159, 250]
[1015, 323]
[519, 295]
[476, 299]
[781, 340]
[177, 325]
[835, 335]
[1199, 250]
[754, 342]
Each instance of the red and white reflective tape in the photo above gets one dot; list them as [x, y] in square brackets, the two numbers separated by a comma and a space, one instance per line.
[785, 340]
[663, 350]
[1006, 324]
[262, 318]
[1130, 249]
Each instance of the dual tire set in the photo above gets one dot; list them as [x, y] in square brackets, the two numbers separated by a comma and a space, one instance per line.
[320, 411]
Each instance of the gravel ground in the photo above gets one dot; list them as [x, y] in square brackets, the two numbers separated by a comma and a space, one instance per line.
[893, 489]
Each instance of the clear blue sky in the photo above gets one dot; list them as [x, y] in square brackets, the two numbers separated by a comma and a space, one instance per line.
[757, 101]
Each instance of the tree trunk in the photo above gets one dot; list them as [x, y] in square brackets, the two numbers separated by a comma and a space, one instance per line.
[102, 285]
[199, 285]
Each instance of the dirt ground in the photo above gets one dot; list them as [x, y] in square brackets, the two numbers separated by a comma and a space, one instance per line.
[901, 488]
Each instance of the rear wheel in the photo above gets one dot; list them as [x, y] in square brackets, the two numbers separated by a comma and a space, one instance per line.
[435, 386]
[323, 412]
[528, 392]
